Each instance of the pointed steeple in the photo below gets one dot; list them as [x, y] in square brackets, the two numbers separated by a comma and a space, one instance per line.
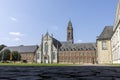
[47, 34]
[70, 25]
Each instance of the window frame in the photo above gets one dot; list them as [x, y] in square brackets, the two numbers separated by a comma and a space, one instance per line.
[104, 45]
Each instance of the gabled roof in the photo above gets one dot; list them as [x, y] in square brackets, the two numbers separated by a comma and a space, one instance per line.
[22, 48]
[106, 34]
[55, 42]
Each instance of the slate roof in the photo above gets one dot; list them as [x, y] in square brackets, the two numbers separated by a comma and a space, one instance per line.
[56, 43]
[77, 47]
[106, 34]
[22, 48]
[66, 42]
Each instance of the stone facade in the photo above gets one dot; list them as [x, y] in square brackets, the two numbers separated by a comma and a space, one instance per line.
[116, 37]
[104, 55]
[48, 50]
[104, 46]
[29, 57]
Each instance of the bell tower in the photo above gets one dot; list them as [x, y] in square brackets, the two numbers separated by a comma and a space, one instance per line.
[70, 32]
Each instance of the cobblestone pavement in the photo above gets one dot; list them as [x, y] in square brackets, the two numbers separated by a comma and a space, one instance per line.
[60, 73]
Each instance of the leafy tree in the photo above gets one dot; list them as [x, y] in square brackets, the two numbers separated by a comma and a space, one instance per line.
[5, 55]
[2, 46]
[15, 56]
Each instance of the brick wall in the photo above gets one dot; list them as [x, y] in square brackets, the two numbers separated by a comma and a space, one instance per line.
[77, 57]
[29, 57]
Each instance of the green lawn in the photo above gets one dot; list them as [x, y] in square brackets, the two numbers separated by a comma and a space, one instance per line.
[34, 64]
[114, 64]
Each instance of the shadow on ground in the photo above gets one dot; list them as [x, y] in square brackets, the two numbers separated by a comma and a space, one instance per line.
[60, 73]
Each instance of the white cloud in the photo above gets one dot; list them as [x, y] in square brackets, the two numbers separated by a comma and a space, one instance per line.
[15, 36]
[15, 33]
[13, 18]
[17, 39]
[8, 39]
[79, 41]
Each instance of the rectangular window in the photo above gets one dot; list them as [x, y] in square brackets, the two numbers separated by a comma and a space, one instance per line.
[104, 45]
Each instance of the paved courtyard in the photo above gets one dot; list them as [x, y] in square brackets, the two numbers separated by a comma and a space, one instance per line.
[60, 73]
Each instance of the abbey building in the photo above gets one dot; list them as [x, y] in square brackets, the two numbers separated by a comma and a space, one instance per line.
[52, 50]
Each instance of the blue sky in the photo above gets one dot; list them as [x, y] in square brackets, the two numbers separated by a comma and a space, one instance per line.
[22, 22]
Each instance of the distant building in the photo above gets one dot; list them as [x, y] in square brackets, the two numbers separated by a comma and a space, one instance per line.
[52, 50]
[27, 53]
[116, 36]
[104, 49]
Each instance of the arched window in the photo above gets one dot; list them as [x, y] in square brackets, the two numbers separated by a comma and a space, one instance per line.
[46, 47]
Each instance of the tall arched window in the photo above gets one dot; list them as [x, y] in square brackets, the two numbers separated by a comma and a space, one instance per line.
[46, 48]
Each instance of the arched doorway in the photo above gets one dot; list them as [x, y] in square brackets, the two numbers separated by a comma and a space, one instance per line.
[46, 59]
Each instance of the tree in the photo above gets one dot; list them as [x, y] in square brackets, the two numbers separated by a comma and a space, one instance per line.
[5, 55]
[15, 56]
[2, 46]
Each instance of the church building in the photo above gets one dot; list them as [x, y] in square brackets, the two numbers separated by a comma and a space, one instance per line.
[52, 50]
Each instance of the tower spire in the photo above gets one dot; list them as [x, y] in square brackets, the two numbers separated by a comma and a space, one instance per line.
[70, 32]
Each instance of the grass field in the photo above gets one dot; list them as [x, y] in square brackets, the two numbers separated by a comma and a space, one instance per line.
[114, 64]
[34, 64]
